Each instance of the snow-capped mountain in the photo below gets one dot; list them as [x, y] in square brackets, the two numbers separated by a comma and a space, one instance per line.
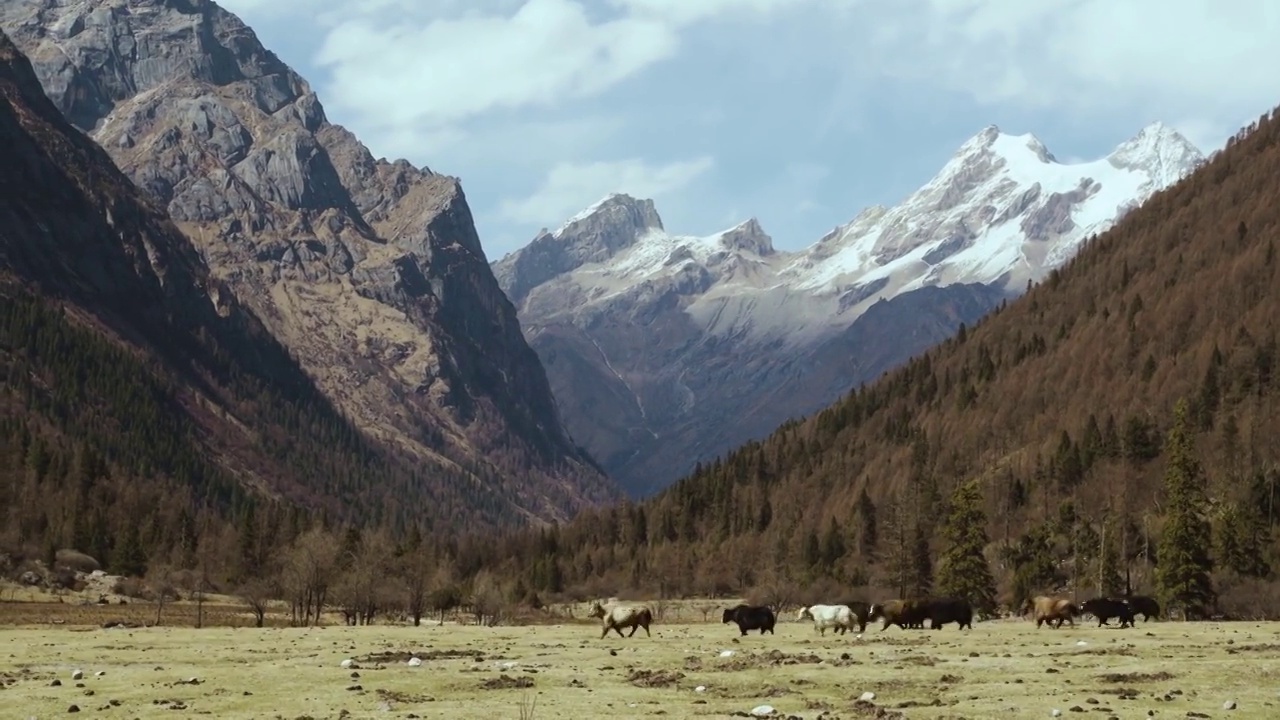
[667, 349]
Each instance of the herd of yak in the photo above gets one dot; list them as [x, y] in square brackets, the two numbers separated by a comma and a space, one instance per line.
[843, 617]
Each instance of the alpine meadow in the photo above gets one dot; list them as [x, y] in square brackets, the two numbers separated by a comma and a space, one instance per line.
[279, 440]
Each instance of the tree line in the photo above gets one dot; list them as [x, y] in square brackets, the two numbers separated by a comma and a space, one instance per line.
[1110, 429]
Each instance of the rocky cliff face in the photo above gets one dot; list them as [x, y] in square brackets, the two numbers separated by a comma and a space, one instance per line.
[665, 350]
[119, 342]
[369, 271]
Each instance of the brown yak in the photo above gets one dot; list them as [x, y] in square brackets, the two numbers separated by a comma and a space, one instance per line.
[1051, 610]
[903, 613]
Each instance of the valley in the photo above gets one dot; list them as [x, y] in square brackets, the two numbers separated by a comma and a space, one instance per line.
[269, 406]
[666, 350]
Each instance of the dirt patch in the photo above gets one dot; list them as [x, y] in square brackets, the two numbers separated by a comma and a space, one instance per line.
[1136, 677]
[506, 682]
[1261, 647]
[403, 656]
[403, 697]
[654, 678]
[936, 702]
[773, 658]
[865, 709]
[922, 660]
[776, 691]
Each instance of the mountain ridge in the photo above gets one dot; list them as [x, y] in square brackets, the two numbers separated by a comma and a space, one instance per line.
[370, 272]
[1001, 213]
[120, 345]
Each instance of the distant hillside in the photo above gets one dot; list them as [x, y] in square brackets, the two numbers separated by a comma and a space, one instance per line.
[139, 394]
[1057, 403]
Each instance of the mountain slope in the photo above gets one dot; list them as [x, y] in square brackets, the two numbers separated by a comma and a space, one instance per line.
[370, 272]
[1057, 403]
[664, 350]
[117, 343]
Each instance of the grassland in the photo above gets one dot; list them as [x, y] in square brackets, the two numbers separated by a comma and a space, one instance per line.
[1000, 669]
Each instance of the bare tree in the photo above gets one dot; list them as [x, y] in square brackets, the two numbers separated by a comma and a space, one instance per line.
[445, 593]
[363, 590]
[775, 590]
[706, 609]
[160, 580]
[256, 594]
[486, 598]
[205, 557]
[415, 574]
[310, 572]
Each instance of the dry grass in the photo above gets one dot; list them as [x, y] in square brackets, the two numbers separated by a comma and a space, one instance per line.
[1000, 669]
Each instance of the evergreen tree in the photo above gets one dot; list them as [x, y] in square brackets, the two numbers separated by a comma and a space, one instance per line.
[895, 547]
[921, 582]
[1034, 568]
[963, 570]
[1240, 541]
[866, 524]
[128, 557]
[811, 551]
[1110, 583]
[250, 555]
[1182, 573]
[833, 546]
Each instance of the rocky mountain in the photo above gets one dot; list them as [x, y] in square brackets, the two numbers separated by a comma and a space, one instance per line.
[138, 389]
[664, 350]
[370, 272]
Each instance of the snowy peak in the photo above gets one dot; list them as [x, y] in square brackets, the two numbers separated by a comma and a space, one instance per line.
[604, 229]
[1003, 210]
[619, 211]
[748, 237]
[1158, 150]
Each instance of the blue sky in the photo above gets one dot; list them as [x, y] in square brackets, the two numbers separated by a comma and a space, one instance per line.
[797, 112]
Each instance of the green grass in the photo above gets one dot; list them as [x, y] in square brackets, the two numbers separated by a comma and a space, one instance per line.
[1000, 669]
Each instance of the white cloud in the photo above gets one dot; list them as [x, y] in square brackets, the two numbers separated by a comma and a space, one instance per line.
[397, 74]
[1071, 53]
[683, 12]
[569, 187]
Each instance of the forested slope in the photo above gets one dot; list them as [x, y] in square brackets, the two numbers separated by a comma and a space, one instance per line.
[1058, 404]
[139, 397]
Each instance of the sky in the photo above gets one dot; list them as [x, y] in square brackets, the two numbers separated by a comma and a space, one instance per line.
[799, 113]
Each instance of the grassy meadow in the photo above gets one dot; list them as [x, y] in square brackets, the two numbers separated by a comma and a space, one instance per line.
[1000, 669]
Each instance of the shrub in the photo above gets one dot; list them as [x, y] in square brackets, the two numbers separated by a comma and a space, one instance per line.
[1246, 598]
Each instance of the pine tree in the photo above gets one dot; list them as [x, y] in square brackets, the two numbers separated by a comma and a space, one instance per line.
[1109, 581]
[1240, 541]
[866, 524]
[1034, 569]
[895, 548]
[921, 582]
[1182, 573]
[249, 550]
[128, 557]
[833, 546]
[963, 570]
